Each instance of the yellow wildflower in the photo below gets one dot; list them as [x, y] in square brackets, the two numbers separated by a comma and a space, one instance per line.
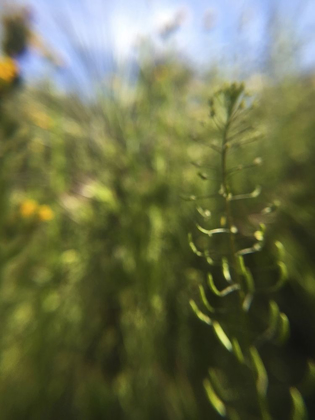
[45, 213]
[28, 208]
[8, 70]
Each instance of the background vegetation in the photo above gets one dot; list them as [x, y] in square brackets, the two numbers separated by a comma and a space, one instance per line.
[96, 273]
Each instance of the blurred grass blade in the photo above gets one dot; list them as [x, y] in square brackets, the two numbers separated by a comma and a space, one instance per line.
[298, 407]
[226, 270]
[205, 300]
[217, 404]
[222, 336]
[193, 246]
[237, 350]
[262, 377]
[200, 315]
[284, 328]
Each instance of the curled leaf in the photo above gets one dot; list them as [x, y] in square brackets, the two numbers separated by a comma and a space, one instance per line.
[193, 246]
[205, 300]
[282, 278]
[212, 231]
[200, 315]
[224, 292]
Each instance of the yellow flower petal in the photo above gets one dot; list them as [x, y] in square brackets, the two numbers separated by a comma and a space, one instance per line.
[45, 213]
[28, 208]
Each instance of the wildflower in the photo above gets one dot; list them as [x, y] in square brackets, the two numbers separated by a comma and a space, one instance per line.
[28, 208]
[8, 70]
[45, 213]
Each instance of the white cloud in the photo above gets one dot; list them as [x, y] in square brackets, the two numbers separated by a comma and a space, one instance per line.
[127, 26]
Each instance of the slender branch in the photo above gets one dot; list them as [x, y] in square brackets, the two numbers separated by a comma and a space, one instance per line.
[244, 142]
[233, 136]
[226, 194]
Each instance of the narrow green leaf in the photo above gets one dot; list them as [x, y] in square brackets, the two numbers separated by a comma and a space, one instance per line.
[237, 350]
[241, 264]
[278, 328]
[229, 290]
[209, 260]
[205, 300]
[284, 328]
[212, 285]
[298, 407]
[283, 273]
[262, 377]
[280, 249]
[255, 248]
[249, 281]
[193, 246]
[212, 231]
[226, 270]
[200, 315]
[274, 315]
[219, 386]
[222, 336]
[217, 404]
[247, 302]
[282, 278]
[224, 292]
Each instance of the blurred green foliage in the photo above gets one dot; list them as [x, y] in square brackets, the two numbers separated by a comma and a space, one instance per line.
[96, 273]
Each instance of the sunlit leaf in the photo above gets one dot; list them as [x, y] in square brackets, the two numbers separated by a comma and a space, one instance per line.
[217, 404]
[200, 315]
[237, 350]
[222, 336]
[205, 300]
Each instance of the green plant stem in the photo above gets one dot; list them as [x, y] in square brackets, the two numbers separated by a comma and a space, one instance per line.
[232, 251]
[227, 192]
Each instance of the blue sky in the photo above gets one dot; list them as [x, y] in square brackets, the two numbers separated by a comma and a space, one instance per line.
[237, 31]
